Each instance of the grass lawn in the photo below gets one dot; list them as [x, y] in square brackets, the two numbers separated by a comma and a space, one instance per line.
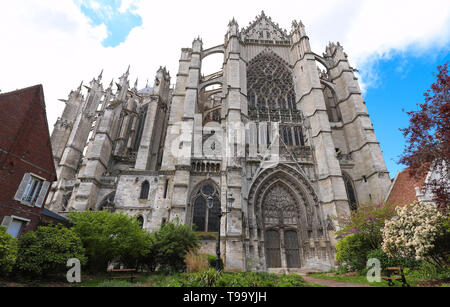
[413, 278]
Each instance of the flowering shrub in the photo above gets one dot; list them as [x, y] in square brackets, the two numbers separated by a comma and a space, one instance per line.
[367, 221]
[413, 232]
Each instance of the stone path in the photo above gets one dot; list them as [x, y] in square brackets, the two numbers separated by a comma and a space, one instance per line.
[333, 283]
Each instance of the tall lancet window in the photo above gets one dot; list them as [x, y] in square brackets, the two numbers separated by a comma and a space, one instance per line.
[145, 189]
[140, 127]
[351, 194]
[204, 219]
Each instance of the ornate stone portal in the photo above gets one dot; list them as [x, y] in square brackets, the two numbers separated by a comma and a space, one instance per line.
[285, 130]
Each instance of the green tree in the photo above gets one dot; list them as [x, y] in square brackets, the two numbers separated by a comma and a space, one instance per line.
[8, 251]
[46, 251]
[351, 252]
[110, 237]
[169, 246]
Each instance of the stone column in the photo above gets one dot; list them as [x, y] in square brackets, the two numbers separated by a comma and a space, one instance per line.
[172, 143]
[69, 164]
[183, 165]
[311, 102]
[371, 176]
[157, 98]
[235, 112]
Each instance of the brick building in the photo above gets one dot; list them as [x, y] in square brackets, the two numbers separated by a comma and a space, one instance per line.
[26, 163]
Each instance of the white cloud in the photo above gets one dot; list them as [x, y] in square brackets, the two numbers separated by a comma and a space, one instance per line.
[53, 43]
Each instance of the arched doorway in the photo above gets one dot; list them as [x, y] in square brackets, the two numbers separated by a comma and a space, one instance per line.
[285, 223]
[281, 222]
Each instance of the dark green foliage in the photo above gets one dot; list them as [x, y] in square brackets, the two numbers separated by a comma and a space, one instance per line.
[46, 251]
[440, 254]
[168, 247]
[351, 252]
[8, 251]
[387, 261]
[110, 237]
[212, 278]
[212, 261]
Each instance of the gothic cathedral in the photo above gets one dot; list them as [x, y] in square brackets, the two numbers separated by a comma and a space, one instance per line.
[280, 139]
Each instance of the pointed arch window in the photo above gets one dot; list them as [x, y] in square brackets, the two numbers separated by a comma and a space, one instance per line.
[145, 189]
[351, 194]
[204, 219]
[334, 114]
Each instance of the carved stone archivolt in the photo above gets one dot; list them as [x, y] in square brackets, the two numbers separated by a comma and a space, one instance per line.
[283, 203]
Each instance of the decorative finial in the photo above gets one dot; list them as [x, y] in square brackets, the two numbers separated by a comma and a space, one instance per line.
[100, 76]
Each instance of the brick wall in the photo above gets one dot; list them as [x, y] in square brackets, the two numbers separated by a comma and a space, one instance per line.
[24, 148]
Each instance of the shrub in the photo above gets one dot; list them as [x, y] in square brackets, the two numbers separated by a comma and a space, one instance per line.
[195, 263]
[212, 260]
[46, 251]
[169, 246]
[110, 237]
[8, 251]
[212, 278]
[415, 233]
[387, 261]
[367, 221]
[351, 252]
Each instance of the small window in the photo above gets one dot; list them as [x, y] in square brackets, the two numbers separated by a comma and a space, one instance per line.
[140, 220]
[14, 225]
[32, 190]
[145, 189]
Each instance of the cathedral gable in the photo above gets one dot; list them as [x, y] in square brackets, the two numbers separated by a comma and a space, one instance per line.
[263, 29]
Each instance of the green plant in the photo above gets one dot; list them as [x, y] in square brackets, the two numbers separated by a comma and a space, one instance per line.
[419, 230]
[195, 263]
[211, 278]
[351, 252]
[291, 280]
[206, 278]
[212, 261]
[114, 284]
[169, 245]
[387, 261]
[8, 251]
[367, 221]
[46, 251]
[110, 237]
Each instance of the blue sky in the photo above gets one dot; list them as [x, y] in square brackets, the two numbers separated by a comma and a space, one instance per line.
[119, 22]
[401, 81]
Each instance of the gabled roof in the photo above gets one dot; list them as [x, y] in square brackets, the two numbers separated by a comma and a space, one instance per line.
[263, 28]
[403, 189]
[22, 116]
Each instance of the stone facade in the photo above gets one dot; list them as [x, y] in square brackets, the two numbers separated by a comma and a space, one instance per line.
[293, 144]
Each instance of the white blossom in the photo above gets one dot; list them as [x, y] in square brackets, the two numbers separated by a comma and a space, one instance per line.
[413, 231]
